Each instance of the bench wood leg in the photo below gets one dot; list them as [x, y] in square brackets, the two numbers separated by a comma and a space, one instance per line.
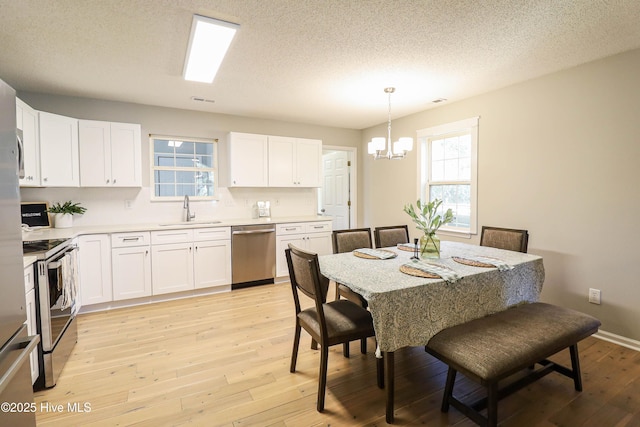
[575, 366]
[448, 389]
[492, 405]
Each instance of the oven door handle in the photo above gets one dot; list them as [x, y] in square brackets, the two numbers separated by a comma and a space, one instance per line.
[55, 262]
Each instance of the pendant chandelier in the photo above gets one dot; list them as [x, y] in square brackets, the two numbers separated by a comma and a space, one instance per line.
[400, 148]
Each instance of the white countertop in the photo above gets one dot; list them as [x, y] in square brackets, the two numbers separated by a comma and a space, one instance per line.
[69, 233]
[28, 260]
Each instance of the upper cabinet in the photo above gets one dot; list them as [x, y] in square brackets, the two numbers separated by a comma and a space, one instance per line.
[250, 160]
[27, 121]
[243, 160]
[59, 158]
[110, 154]
[294, 162]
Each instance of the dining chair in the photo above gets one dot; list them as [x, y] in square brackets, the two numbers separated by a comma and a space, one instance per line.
[348, 240]
[328, 323]
[504, 238]
[390, 235]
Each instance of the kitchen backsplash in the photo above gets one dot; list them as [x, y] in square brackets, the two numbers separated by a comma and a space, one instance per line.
[106, 206]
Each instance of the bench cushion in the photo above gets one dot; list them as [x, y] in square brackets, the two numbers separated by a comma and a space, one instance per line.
[496, 346]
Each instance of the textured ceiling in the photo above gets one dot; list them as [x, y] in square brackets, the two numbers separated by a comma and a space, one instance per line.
[321, 62]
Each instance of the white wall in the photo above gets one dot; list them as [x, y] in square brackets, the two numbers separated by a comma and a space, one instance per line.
[107, 205]
[558, 156]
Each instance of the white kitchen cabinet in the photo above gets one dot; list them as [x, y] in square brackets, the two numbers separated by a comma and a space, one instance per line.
[94, 267]
[172, 268]
[212, 264]
[32, 328]
[187, 259]
[110, 154]
[59, 156]
[131, 265]
[27, 121]
[171, 261]
[294, 162]
[212, 258]
[243, 160]
[310, 236]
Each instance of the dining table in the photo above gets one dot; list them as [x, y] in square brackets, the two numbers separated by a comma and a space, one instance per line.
[412, 299]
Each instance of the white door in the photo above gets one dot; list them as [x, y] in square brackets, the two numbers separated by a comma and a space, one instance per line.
[335, 191]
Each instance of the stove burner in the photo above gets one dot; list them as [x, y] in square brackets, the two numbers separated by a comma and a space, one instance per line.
[40, 245]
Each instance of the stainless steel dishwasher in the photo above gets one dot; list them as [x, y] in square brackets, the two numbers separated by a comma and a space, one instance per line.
[253, 255]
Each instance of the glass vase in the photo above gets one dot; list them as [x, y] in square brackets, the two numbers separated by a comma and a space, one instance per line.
[429, 246]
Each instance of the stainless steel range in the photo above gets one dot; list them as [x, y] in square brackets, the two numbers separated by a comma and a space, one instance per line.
[55, 305]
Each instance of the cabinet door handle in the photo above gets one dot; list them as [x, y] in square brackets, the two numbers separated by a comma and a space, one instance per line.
[114, 180]
[45, 179]
[107, 181]
[130, 239]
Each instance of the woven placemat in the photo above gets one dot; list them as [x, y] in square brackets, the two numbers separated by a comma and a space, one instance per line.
[472, 263]
[416, 272]
[367, 256]
[405, 248]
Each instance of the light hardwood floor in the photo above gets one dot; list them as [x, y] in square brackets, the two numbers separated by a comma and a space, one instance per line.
[223, 360]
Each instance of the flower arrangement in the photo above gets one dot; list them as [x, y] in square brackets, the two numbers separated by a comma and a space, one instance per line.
[426, 218]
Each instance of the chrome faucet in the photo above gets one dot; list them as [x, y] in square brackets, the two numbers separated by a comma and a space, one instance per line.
[190, 216]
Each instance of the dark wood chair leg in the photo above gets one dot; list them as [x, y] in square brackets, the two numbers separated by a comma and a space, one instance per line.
[294, 353]
[448, 389]
[575, 366]
[492, 405]
[314, 344]
[363, 346]
[345, 349]
[322, 378]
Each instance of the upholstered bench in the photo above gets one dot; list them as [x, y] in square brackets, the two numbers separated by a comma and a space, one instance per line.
[492, 348]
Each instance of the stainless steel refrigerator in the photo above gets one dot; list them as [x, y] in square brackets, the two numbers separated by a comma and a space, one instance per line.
[16, 393]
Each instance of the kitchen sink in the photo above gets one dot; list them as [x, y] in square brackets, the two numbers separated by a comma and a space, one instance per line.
[173, 224]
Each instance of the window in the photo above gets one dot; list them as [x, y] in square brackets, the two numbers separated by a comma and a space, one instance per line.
[448, 171]
[183, 167]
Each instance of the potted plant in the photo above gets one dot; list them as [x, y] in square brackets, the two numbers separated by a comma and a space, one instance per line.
[63, 213]
[427, 220]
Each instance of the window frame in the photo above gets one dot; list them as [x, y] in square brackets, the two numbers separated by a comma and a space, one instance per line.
[424, 138]
[153, 168]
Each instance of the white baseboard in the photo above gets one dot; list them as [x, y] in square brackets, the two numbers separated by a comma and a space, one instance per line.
[617, 339]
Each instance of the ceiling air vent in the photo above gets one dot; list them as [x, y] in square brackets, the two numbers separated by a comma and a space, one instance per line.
[439, 100]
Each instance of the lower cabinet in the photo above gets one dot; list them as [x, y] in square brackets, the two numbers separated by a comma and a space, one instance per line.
[188, 259]
[32, 328]
[172, 268]
[130, 265]
[310, 236]
[212, 263]
[94, 268]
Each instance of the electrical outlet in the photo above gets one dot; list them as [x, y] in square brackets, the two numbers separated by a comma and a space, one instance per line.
[594, 296]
